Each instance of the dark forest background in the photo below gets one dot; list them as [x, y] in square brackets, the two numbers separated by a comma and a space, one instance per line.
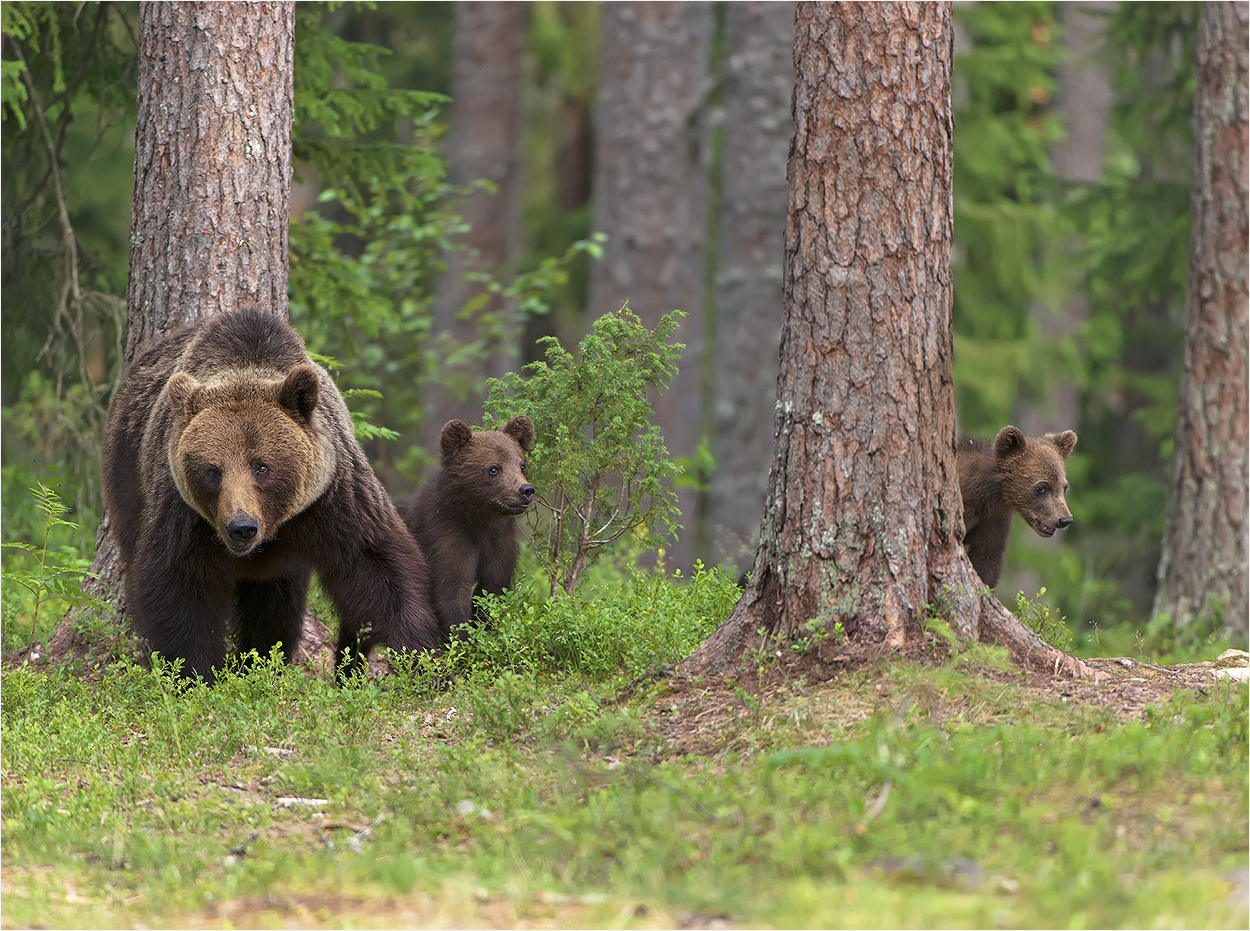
[456, 165]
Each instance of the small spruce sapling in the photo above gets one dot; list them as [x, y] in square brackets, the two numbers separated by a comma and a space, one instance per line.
[599, 462]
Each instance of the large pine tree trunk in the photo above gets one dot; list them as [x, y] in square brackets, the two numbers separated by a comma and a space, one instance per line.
[483, 144]
[758, 78]
[863, 522]
[212, 183]
[212, 164]
[650, 195]
[1202, 574]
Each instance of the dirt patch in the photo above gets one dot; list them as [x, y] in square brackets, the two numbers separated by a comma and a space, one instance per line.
[703, 715]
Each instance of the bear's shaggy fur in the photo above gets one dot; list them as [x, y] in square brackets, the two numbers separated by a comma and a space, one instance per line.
[231, 473]
[464, 517]
[1017, 474]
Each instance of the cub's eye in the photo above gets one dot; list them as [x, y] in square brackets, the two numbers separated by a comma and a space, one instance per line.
[213, 474]
[493, 470]
[525, 469]
[260, 468]
[1041, 489]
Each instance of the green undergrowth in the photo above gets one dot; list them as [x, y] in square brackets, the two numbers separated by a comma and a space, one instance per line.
[547, 770]
[520, 783]
[623, 622]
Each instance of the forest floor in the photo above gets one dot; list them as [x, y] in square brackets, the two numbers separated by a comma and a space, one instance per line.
[922, 788]
[1124, 686]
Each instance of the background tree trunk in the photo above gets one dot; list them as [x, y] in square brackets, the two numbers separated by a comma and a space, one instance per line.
[1202, 573]
[483, 143]
[758, 78]
[650, 192]
[1084, 102]
[212, 182]
[863, 522]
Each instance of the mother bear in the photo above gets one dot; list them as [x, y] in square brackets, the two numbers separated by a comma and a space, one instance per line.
[231, 473]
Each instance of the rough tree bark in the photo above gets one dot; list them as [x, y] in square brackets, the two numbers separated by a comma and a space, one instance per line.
[650, 195]
[1202, 573]
[758, 77]
[212, 183]
[863, 522]
[483, 143]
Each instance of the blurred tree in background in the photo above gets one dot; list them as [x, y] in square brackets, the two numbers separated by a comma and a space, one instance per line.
[374, 214]
[1203, 572]
[483, 153]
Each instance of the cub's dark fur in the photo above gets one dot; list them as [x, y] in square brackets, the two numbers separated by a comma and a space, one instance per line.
[231, 473]
[1017, 474]
[465, 517]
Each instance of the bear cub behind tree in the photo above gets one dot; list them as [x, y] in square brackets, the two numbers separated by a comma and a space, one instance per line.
[1015, 473]
[465, 517]
[231, 473]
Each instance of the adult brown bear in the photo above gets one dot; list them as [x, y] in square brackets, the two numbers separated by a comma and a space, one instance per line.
[465, 517]
[231, 473]
[1015, 474]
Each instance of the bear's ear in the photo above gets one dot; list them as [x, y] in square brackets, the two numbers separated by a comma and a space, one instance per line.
[298, 394]
[1008, 442]
[521, 429]
[1064, 442]
[184, 397]
[456, 436]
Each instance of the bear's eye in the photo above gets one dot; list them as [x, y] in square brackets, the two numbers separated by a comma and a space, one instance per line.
[493, 470]
[260, 468]
[213, 474]
[1041, 489]
[525, 469]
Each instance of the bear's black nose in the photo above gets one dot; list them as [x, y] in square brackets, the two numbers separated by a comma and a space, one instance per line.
[242, 529]
[1063, 522]
[526, 492]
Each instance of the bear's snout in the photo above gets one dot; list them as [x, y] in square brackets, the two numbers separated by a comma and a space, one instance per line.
[1063, 522]
[526, 492]
[242, 529]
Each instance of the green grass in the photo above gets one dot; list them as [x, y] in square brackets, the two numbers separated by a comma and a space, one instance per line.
[532, 790]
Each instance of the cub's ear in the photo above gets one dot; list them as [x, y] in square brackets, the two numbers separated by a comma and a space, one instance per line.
[1063, 442]
[185, 397]
[1008, 442]
[298, 394]
[521, 429]
[456, 436]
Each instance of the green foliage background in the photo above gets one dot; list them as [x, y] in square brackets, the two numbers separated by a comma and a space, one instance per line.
[365, 256]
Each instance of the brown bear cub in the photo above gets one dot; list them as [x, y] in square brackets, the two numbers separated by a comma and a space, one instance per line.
[1016, 473]
[231, 474]
[464, 517]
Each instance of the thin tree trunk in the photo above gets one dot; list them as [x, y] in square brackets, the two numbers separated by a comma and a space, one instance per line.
[483, 144]
[1084, 102]
[758, 78]
[1202, 573]
[863, 523]
[650, 196]
[212, 184]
